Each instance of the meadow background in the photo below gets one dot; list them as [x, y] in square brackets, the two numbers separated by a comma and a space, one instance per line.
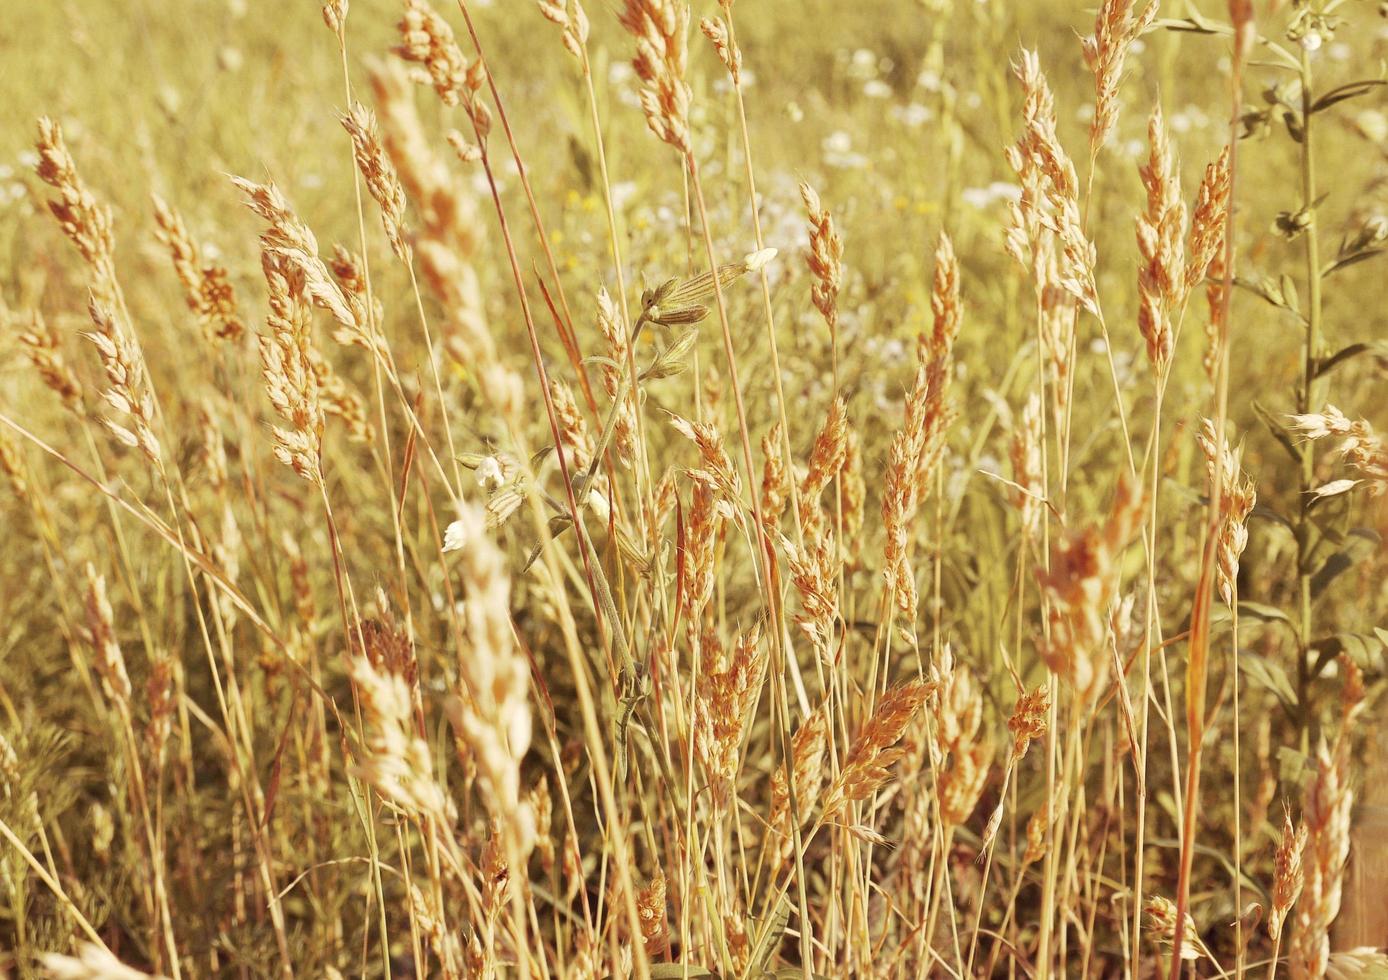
[862, 711]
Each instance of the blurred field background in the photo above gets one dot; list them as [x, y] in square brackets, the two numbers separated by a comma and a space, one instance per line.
[277, 803]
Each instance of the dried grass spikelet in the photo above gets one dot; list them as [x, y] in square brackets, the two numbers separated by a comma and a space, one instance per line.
[573, 19]
[650, 912]
[491, 712]
[775, 477]
[826, 460]
[496, 876]
[1046, 219]
[1082, 584]
[703, 525]
[1359, 446]
[101, 634]
[432, 923]
[427, 40]
[13, 466]
[84, 219]
[92, 962]
[448, 233]
[717, 470]
[1115, 30]
[1360, 963]
[814, 570]
[1159, 917]
[1161, 274]
[660, 28]
[335, 16]
[918, 446]
[206, 285]
[160, 698]
[573, 427]
[45, 353]
[614, 335]
[1038, 835]
[867, 765]
[1205, 243]
[962, 755]
[808, 751]
[1326, 806]
[379, 176]
[824, 257]
[542, 805]
[1236, 502]
[1028, 721]
[716, 30]
[291, 381]
[288, 243]
[1288, 874]
[127, 391]
[395, 760]
[728, 689]
[1025, 452]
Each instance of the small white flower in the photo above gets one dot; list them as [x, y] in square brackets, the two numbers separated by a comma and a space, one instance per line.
[489, 474]
[1312, 40]
[454, 537]
[757, 259]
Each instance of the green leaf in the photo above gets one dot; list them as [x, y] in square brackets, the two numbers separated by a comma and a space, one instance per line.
[1278, 430]
[770, 938]
[1360, 543]
[1365, 649]
[1350, 90]
[1292, 766]
[1270, 676]
[1262, 612]
[1353, 258]
[1376, 348]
